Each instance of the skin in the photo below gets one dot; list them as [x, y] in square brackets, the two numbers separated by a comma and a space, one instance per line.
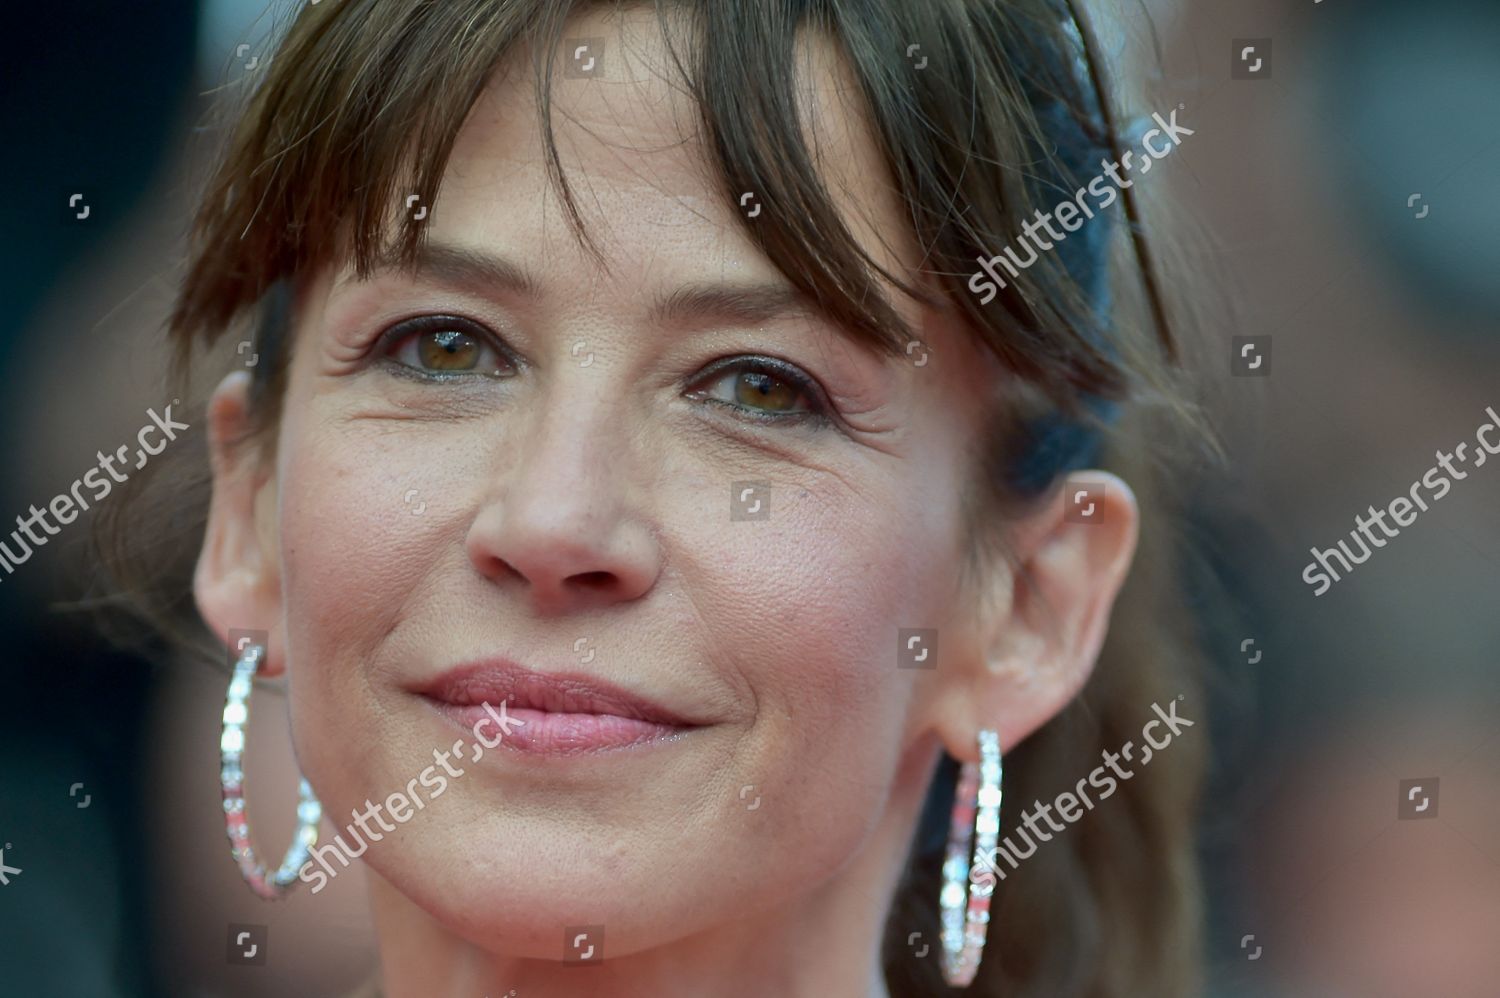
[575, 501]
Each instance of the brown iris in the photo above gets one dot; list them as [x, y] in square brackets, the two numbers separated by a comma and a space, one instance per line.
[759, 390]
[448, 350]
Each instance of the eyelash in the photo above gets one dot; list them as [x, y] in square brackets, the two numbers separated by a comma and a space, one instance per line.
[818, 410]
[399, 333]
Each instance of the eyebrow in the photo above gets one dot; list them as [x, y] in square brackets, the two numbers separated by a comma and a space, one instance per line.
[749, 304]
[486, 273]
[467, 268]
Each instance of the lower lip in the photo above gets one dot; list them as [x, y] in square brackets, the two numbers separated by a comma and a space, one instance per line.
[543, 732]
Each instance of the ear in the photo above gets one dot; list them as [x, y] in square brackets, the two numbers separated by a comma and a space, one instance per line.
[1043, 616]
[237, 583]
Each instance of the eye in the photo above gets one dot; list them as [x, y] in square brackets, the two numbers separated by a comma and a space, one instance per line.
[441, 346]
[763, 388]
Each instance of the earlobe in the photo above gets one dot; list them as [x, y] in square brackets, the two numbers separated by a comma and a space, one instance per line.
[1047, 614]
[235, 583]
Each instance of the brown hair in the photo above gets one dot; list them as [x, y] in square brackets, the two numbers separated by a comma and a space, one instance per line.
[362, 103]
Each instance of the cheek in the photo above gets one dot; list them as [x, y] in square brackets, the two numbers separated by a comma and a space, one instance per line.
[354, 548]
[350, 537]
[806, 607]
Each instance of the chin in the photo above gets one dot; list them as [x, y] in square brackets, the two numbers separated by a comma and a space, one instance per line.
[505, 897]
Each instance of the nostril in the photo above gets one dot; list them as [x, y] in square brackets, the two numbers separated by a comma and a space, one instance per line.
[594, 580]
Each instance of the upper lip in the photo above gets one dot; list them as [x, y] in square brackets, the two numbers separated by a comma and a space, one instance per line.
[496, 681]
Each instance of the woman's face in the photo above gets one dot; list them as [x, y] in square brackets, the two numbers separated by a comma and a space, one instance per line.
[572, 501]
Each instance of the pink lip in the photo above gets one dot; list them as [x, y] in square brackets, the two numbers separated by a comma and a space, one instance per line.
[558, 713]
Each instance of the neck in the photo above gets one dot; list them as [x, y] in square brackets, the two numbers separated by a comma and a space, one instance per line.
[825, 942]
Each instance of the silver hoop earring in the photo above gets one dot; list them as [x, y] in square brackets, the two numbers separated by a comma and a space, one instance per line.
[976, 819]
[232, 778]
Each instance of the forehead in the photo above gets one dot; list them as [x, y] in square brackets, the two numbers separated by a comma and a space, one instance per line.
[651, 198]
[628, 140]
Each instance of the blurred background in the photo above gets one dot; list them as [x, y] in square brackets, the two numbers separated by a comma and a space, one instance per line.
[1341, 197]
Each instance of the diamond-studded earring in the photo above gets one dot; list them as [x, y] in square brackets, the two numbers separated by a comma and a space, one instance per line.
[976, 819]
[232, 777]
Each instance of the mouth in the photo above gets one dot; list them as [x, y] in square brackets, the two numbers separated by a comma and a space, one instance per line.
[555, 713]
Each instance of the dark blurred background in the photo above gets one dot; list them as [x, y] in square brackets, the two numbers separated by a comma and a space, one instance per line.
[1341, 195]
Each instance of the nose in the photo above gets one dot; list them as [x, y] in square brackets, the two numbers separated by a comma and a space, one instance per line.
[563, 522]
